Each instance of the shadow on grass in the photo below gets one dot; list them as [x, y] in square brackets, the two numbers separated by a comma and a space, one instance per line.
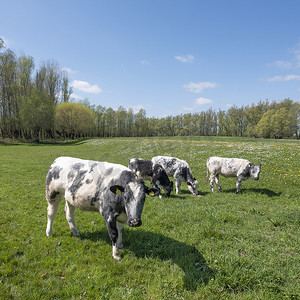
[145, 244]
[44, 142]
[267, 192]
[60, 142]
[184, 193]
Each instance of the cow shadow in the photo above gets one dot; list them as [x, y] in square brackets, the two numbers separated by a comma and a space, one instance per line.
[145, 244]
[185, 193]
[262, 191]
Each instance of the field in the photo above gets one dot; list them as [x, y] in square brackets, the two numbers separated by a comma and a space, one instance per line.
[219, 246]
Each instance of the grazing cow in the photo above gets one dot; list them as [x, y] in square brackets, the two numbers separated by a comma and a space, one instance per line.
[144, 169]
[180, 170]
[110, 189]
[231, 167]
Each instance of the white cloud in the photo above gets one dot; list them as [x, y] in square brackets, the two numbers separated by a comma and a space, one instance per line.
[199, 87]
[284, 78]
[75, 97]
[203, 101]
[68, 70]
[144, 62]
[281, 64]
[185, 58]
[84, 86]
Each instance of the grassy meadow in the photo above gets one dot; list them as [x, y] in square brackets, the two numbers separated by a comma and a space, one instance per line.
[219, 246]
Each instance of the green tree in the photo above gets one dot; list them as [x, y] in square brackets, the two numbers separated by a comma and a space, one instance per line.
[8, 94]
[66, 89]
[264, 126]
[121, 122]
[74, 120]
[37, 116]
[141, 124]
[110, 122]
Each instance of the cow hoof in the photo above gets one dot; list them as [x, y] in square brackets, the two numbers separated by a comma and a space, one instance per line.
[75, 233]
[117, 256]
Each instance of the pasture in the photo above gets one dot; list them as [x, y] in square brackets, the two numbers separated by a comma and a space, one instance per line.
[220, 246]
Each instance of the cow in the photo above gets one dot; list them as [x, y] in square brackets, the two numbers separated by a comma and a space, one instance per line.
[231, 167]
[146, 170]
[180, 170]
[110, 189]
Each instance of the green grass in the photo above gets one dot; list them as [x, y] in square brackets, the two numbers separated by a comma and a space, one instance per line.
[220, 246]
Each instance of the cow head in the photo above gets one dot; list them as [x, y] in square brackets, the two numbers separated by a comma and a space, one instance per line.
[193, 186]
[254, 171]
[134, 194]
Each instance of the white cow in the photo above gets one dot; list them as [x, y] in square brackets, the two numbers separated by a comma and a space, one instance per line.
[110, 189]
[231, 167]
[180, 170]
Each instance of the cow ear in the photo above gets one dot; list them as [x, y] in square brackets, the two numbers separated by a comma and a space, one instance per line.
[117, 189]
[151, 191]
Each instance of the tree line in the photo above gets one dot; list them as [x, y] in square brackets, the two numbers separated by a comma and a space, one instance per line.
[36, 105]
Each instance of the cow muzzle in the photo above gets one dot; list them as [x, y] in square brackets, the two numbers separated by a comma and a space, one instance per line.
[134, 222]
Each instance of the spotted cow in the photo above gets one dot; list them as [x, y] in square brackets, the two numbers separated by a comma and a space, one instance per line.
[180, 170]
[110, 189]
[145, 169]
[231, 167]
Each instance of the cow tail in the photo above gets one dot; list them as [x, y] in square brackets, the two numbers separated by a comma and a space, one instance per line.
[206, 174]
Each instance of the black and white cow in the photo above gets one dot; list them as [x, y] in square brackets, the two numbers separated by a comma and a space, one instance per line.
[145, 169]
[231, 167]
[180, 170]
[110, 189]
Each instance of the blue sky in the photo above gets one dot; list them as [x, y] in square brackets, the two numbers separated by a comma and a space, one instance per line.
[168, 56]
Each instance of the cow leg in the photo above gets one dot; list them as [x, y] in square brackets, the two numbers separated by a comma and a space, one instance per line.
[211, 182]
[156, 185]
[177, 185]
[120, 227]
[69, 211]
[111, 225]
[238, 184]
[218, 183]
[53, 203]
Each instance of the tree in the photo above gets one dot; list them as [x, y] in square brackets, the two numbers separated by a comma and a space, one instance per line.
[121, 121]
[264, 127]
[280, 124]
[100, 120]
[130, 122]
[110, 122]
[37, 116]
[66, 90]
[48, 80]
[74, 120]
[141, 124]
[1, 43]
[8, 94]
